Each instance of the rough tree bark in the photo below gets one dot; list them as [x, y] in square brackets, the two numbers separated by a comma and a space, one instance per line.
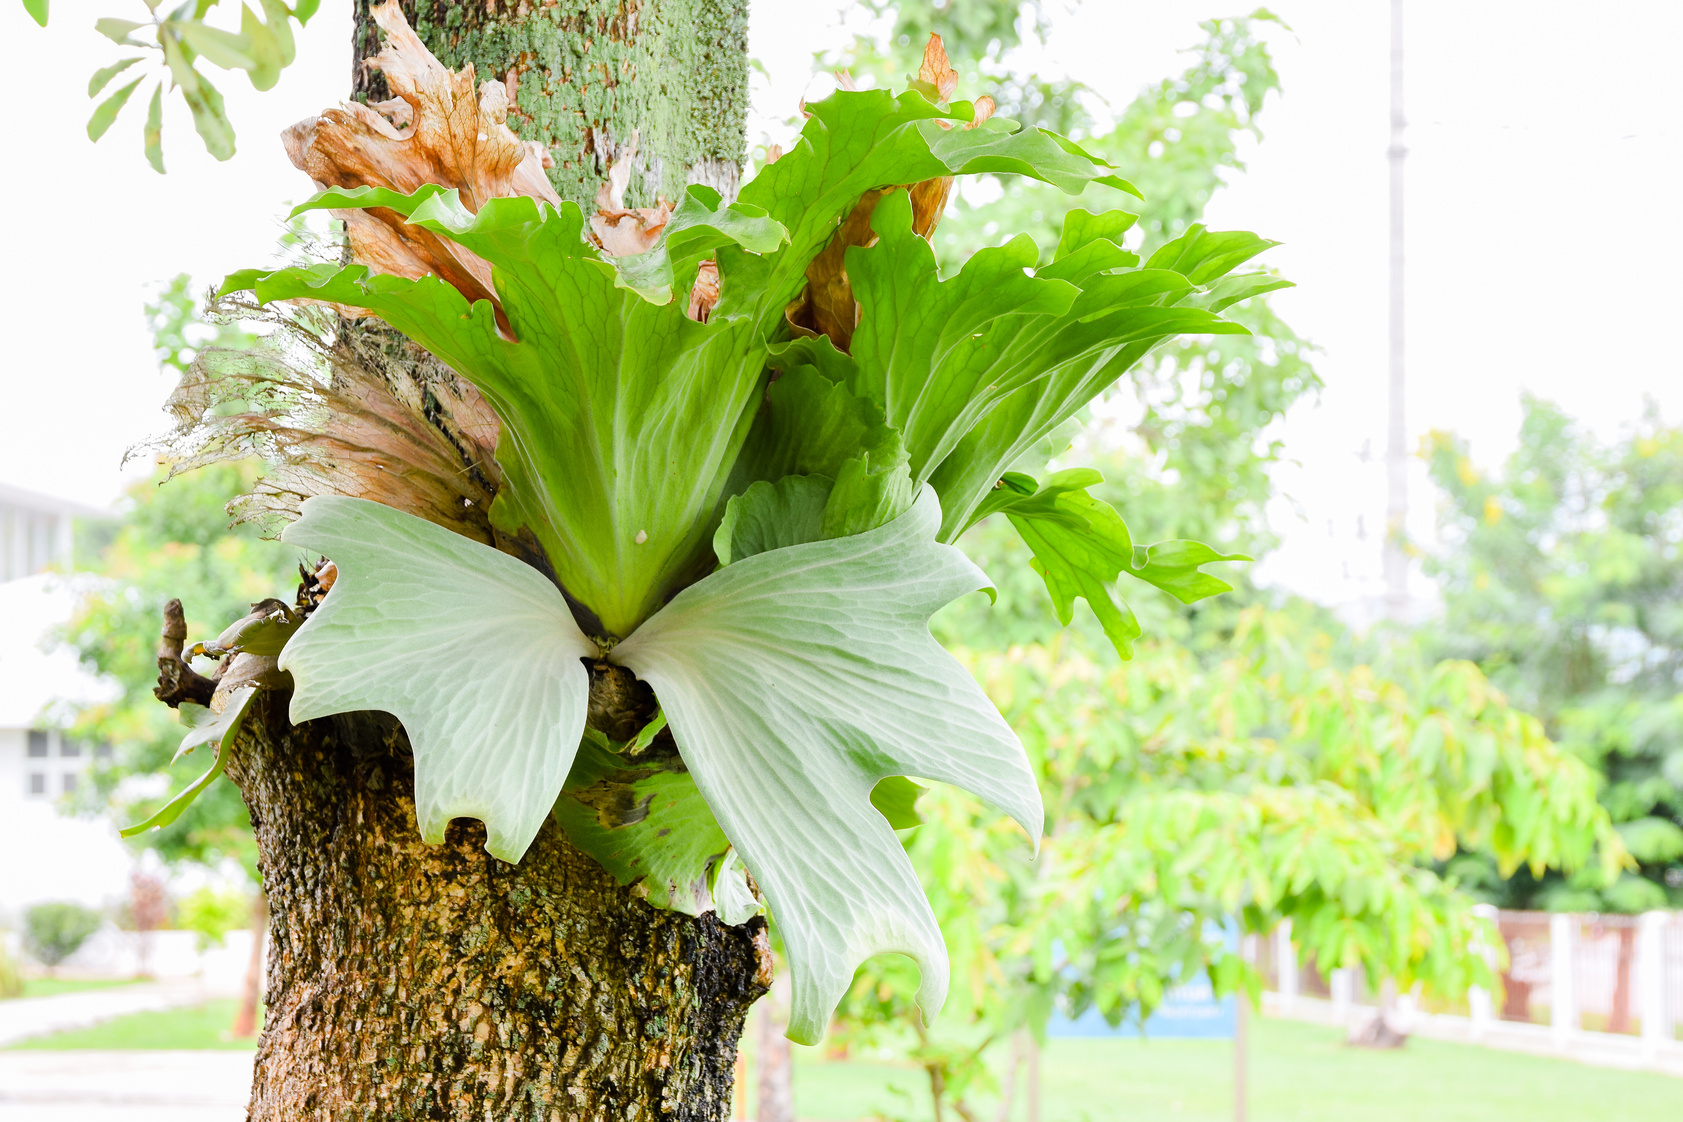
[583, 73]
[415, 981]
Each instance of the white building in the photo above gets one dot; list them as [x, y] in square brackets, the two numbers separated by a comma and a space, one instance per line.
[48, 855]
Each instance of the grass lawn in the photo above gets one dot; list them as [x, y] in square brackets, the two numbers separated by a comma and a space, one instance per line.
[1299, 1073]
[195, 1027]
[52, 987]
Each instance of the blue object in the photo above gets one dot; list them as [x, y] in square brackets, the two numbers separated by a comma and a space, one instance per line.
[1188, 1012]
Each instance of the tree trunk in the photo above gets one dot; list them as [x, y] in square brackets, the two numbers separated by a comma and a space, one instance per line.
[245, 1018]
[584, 73]
[415, 981]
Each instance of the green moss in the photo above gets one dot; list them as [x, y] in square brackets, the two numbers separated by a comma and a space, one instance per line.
[675, 70]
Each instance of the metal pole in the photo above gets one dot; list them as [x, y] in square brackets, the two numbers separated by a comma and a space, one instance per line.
[1396, 442]
[1241, 1032]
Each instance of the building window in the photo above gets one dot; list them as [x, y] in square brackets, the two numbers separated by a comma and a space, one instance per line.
[102, 750]
[68, 748]
[37, 783]
[37, 744]
[69, 782]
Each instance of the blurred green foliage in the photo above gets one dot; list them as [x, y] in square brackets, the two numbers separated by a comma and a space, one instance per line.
[174, 540]
[210, 912]
[56, 929]
[1255, 759]
[1563, 580]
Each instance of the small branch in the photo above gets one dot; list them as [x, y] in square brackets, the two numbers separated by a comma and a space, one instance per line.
[177, 680]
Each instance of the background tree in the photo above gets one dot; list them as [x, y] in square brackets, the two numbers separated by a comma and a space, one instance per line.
[56, 929]
[1561, 577]
[1267, 763]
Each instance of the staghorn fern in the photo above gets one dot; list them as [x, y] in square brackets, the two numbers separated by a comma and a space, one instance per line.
[742, 438]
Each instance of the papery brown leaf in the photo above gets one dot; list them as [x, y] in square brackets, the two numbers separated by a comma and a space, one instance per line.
[335, 408]
[937, 70]
[616, 230]
[705, 292]
[434, 130]
[827, 306]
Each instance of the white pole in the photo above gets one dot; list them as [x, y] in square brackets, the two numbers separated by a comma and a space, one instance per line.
[1479, 1009]
[1285, 965]
[1563, 1004]
[1650, 981]
[1395, 556]
[1343, 983]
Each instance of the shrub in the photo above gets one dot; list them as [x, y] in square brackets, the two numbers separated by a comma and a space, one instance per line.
[53, 931]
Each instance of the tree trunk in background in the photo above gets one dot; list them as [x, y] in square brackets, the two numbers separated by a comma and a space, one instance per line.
[245, 1018]
[584, 73]
[775, 1072]
[411, 981]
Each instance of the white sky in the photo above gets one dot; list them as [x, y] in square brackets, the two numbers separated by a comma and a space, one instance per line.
[1542, 224]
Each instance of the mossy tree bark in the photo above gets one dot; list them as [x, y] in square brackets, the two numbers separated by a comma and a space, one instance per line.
[416, 981]
[582, 74]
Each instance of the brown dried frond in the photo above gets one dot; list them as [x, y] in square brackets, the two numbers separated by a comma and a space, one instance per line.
[937, 70]
[827, 307]
[617, 230]
[337, 408]
[433, 131]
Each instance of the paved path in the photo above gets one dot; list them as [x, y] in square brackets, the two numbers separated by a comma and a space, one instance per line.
[24, 1017]
[124, 1086]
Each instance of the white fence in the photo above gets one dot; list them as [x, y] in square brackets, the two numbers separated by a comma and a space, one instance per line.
[1606, 989]
[113, 953]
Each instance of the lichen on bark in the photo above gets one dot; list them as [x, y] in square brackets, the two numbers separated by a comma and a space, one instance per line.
[582, 75]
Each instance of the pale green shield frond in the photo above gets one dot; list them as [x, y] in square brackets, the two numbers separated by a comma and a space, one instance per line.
[794, 680]
[475, 652]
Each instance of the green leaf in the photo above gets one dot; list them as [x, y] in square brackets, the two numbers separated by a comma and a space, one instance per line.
[871, 490]
[795, 681]
[645, 822]
[621, 418]
[1173, 567]
[695, 231]
[858, 141]
[927, 351]
[896, 797]
[476, 653]
[37, 10]
[772, 516]
[263, 631]
[304, 9]
[219, 47]
[1082, 228]
[154, 131]
[279, 21]
[268, 55]
[1654, 841]
[1203, 255]
[119, 30]
[1121, 314]
[220, 730]
[209, 119]
[107, 111]
[807, 425]
[1081, 547]
[104, 75]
